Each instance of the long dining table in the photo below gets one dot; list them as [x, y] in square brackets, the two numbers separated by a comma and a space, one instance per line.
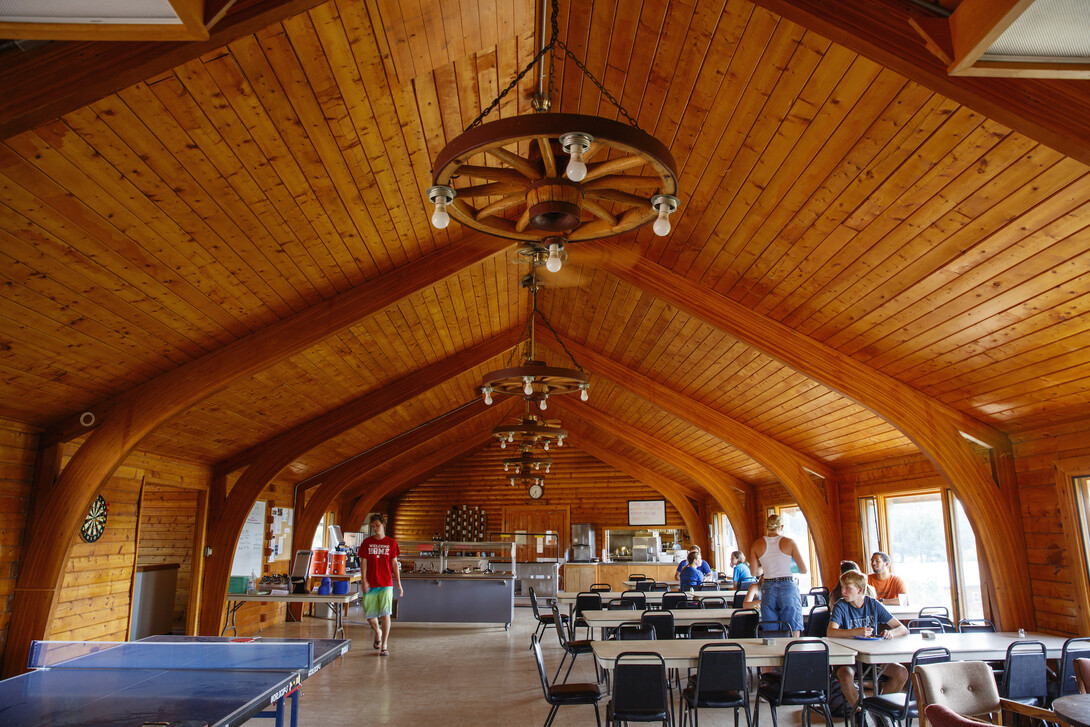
[568, 597]
[684, 653]
[682, 617]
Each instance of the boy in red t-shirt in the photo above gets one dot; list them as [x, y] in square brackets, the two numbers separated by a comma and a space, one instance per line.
[379, 569]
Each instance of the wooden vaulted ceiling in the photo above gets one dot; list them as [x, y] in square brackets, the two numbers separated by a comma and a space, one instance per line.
[940, 242]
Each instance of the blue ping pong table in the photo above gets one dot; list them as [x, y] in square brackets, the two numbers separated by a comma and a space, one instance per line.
[163, 680]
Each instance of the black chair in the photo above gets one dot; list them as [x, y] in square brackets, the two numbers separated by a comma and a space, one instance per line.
[572, 649]
[743, 624]
[818, 623]
[636, 631]
[720, 682]
[637, 577]
[773, 629]
[901, 706]
[1025, 674]
[708, 586]
[585, 601]
[543, 620]
[660, 586]
[917, 625]
[600, 588]
[645, 586]
[1065, 682]
[690, 603]
[663, 621]
[714, 602]
[739, 599]
[621, 604]
[707, 630]
[560, 695]
[820, 594]
[672, 600]
[940, 614]
[639, 598]
[804, 681]
[979, 625]
[639, 689]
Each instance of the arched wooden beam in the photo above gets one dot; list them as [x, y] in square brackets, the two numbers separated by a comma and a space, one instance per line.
[306, 436]
[414, 471]
[589, 442]
[820, 506]
[265, 461]
[308, 515]
[721, 486]
[129, 417]
[933, 426]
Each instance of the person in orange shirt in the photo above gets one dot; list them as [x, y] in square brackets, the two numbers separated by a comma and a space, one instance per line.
[886, 585]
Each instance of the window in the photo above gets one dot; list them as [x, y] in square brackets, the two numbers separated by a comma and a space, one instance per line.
[319, 536]
[931, 546]
[724, 541]
[1082, 497]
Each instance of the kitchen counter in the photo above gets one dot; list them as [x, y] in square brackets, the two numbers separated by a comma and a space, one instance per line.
[457, 598]
[580, 576]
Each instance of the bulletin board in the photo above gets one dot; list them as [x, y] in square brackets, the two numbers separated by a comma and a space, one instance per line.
[279, 533]
[251, 543]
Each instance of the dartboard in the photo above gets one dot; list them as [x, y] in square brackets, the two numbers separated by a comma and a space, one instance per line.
[95, 524]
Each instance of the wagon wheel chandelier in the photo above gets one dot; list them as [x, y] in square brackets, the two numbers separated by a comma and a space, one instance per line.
[527, 463]
[534, 380]
[548, 179]
[530, 431]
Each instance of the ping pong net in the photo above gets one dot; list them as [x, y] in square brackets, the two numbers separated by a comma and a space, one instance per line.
[252, 656]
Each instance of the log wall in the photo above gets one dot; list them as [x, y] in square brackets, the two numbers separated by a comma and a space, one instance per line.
[18, 449]
[168, 521]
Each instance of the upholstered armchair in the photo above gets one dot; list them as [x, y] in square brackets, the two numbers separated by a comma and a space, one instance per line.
[968, 688]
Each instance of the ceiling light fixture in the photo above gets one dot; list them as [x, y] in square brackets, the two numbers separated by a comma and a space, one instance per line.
[513, 181]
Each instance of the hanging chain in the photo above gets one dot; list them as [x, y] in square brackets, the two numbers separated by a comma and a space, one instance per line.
[553, 44]
[557, 337]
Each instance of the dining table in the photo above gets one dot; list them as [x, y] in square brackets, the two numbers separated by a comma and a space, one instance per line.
[1075, 708]
[685, 653]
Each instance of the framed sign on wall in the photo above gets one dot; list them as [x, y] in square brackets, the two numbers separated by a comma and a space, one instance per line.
[647, 513]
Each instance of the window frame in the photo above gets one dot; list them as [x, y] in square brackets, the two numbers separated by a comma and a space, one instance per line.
[1077, 534]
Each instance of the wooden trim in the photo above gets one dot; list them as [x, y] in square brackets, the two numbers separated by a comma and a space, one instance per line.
[99, 32]
[135, 555]
[196, 577]
[976, 24]
[191, 13]
[1066, 471]
[932, 426]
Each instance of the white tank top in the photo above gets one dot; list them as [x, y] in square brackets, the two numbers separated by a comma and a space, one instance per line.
[775, 562]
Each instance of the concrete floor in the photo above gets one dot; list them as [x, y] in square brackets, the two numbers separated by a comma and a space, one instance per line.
[449, 674]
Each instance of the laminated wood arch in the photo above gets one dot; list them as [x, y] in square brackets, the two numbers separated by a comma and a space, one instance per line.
[934, 427]
[721, 486]
[128, 418]
[789, 466]
[264, 462]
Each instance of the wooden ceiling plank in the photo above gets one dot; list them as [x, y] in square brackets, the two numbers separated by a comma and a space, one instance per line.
[60, 211]
[887, 38]
[265, 208]
[51, 81]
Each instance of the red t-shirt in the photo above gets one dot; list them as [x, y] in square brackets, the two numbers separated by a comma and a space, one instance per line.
[889, 588]
[379, 556]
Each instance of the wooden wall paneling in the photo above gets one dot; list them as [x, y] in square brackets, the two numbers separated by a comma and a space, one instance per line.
[127, 419]
[18, 454]
[168, 528]
[788, 465]
[197, 558]
[934, 427]
[535, 519]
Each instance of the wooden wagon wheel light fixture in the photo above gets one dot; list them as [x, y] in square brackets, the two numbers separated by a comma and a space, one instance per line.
[549, 179]
[527, 463]
[534, 380]
[530, 432]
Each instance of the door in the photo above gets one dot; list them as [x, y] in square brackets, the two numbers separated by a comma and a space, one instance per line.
[539, 520]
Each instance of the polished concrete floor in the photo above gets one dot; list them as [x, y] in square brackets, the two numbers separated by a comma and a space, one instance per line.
[449, 674]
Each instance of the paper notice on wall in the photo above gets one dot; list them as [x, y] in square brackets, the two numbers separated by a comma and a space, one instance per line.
[540, 544]
[520, 537]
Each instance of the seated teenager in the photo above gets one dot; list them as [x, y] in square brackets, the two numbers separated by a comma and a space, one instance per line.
[692, 575]
[857, 614]
[741, 575]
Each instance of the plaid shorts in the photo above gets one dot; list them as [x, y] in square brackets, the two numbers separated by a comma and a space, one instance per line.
[378, 602]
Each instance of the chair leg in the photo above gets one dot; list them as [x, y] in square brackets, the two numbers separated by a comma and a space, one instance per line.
[772, 709]
[568, 673]
[597, 719]
[562, 659]
[552, 715]
[828, 714]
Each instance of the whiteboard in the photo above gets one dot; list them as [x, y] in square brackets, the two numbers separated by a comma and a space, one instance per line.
[647, 512]
[250, 543]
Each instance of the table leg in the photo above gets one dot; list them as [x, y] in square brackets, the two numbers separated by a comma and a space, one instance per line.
[232, 606]
[339, 631]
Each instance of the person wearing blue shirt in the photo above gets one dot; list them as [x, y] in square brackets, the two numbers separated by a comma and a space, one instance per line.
[704, 568]
[857, 614]
[742, 576]
[691, 575]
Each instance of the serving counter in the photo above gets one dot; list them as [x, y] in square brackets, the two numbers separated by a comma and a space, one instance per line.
[456, 582]
[580, 576]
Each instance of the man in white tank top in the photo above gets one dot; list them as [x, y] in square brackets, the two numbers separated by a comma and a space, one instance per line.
[772, 556]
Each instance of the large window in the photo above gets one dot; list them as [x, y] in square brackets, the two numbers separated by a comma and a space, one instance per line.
[724, 541]
[796, 528]
[931, 546]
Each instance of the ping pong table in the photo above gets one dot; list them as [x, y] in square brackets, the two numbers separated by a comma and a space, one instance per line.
[163, 680]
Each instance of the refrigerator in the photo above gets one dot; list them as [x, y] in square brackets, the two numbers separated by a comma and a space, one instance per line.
[582, 543]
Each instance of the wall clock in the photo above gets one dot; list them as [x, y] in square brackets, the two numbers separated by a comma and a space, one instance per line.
[95, 523]
[536, 491]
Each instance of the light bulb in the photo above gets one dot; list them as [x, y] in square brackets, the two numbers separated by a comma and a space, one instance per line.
[505, 467]
[583, 393]
[527, 388]
[512, 482]
[546, 445]
[537, 466]
[576, 169]
[553, 263]
[503, 444]
[560, 441]
[662, 224]
[440, 219]
[510, 436]
[487, 391]
[547, 468]
[543, 406]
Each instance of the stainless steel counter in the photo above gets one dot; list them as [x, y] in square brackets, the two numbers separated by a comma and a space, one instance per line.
[457, 598]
